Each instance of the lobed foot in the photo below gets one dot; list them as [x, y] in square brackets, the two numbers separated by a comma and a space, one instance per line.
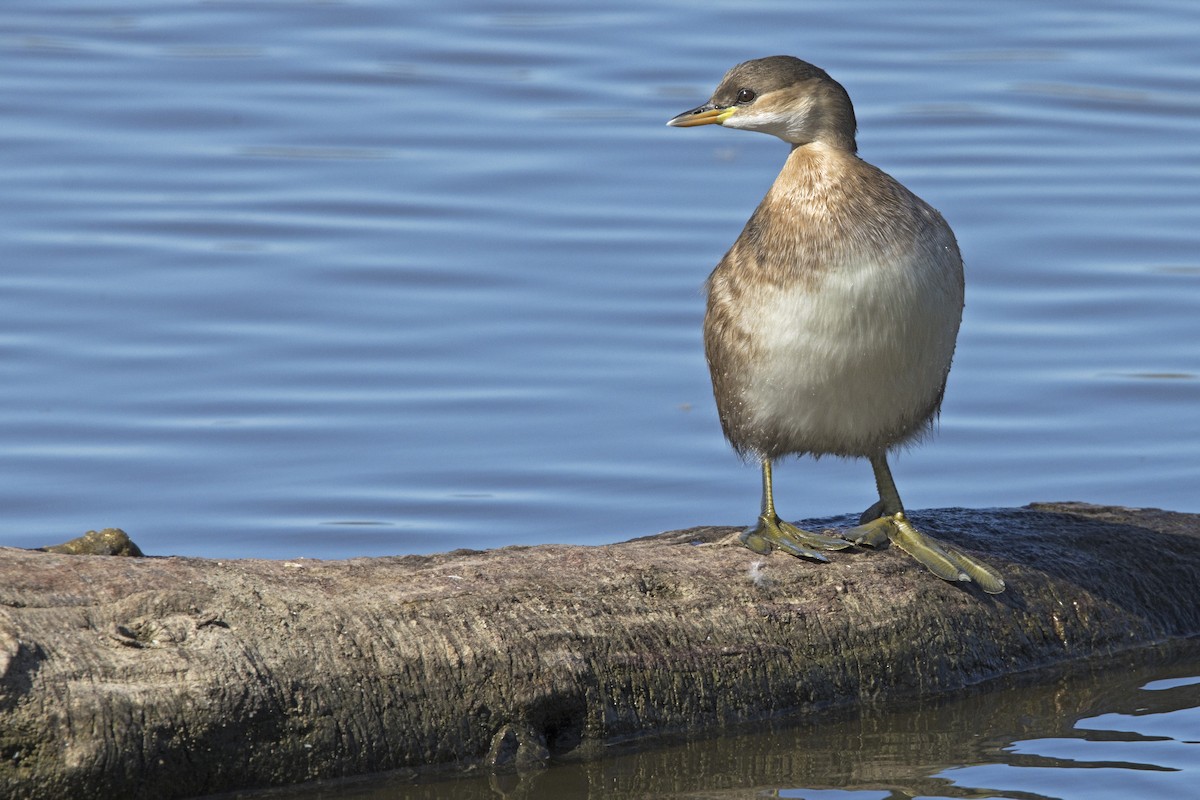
[772, 533]
[943, 560]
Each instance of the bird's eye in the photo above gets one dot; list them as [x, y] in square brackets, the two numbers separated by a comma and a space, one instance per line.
[746, 95]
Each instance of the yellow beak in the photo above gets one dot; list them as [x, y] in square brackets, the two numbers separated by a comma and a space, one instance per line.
[703, 115]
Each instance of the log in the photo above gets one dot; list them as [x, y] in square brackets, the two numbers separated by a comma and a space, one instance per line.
[175, 677]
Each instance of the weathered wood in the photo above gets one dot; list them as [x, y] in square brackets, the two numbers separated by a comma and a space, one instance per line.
[170, 677]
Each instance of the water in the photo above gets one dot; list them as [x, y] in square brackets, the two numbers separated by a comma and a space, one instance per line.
[1121, 728]
[336, 279]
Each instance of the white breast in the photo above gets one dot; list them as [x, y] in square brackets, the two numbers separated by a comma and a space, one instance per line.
[856, 362]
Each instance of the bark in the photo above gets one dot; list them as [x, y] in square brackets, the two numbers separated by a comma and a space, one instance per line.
[175, 677]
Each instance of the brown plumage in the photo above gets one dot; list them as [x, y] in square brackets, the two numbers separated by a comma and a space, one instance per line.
[832, 319]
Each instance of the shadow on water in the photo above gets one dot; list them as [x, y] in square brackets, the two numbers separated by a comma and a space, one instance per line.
[1066, 733]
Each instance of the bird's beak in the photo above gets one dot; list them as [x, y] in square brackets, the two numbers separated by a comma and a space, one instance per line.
[707, 114]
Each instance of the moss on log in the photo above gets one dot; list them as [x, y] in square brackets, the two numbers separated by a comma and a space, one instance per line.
[108, 542]
[174, 677]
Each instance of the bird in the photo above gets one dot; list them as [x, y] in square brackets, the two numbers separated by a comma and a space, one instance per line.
[831, 322]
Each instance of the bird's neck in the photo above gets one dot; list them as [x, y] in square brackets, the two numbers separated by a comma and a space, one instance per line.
[812, 179]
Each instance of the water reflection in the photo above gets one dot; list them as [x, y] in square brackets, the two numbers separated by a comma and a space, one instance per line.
[1150, 751]
[1127, 727]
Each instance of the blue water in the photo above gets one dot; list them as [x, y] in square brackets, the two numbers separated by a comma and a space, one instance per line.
[1150, 751]
[334, 279]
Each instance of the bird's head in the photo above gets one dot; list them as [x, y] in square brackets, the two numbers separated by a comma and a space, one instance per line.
[782, 96]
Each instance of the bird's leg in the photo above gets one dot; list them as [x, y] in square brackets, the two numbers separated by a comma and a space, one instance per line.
[876, 524]
[885, 521]
[772, 533]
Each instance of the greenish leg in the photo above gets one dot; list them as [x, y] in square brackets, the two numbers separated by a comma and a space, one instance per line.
[772, 533]
[885, 521]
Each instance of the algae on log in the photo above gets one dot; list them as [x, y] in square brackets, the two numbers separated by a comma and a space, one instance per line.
[175, 677]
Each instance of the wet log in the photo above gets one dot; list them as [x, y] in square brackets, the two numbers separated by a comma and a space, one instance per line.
[176, 677]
